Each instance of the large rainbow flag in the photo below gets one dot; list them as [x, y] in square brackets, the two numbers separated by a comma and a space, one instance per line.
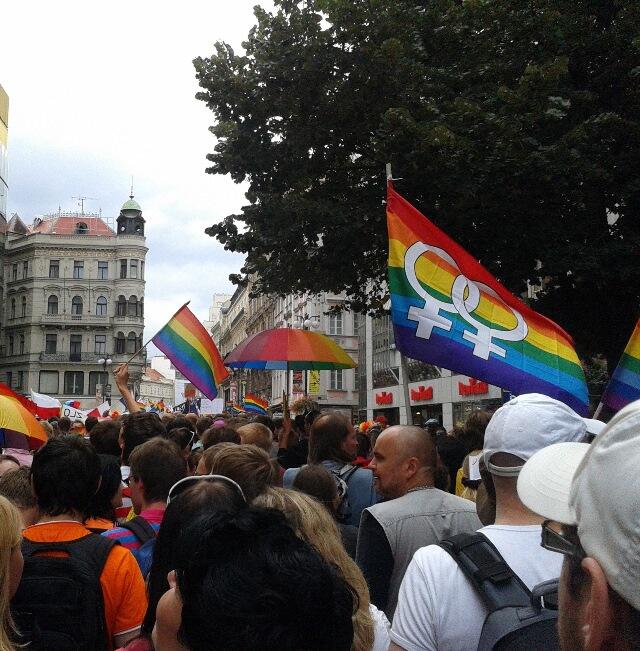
[254, 404]
[190, 347]
[448, 310]
[624, 384]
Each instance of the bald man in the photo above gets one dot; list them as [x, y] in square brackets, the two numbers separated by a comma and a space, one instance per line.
[414, 514]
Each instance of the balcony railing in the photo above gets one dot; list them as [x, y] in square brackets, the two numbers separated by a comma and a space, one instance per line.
[89, 319]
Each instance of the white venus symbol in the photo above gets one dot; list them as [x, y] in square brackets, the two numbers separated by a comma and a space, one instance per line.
[429, 316]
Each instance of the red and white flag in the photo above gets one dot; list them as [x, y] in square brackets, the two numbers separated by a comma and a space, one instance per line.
[100, 410]
[46, 406]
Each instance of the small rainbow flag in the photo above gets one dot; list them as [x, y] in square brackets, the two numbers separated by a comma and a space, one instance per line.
[448, 310]
[624, 384]
[254, 404]
[189, 346]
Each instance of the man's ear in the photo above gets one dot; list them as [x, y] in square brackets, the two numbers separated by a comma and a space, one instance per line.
[412, 466]
[598, 612]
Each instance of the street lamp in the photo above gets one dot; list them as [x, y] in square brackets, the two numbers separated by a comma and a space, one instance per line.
[106, 387]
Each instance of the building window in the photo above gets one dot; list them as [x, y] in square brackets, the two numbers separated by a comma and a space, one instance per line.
[141, 269]
[132, 341]
[101, 306]
[121, 306]
[9, 375]
[101, 344]
[49, 382]
[54, 268]
[10, 346]
[20, 384]
[336, 380]
[123, 268]
[103, 270]
[75, 347]
[52, 305]
[24, 306]
[133, 269]
[21, 344]
[81, 228]
[78, 269]
[133, 306]
[74, 383]
[13, 308]
[97, 378]
[120, 343]
[335, 324]
[51, 344]
[76, 306]
[25, 268]
[14, 271]
[141, 307]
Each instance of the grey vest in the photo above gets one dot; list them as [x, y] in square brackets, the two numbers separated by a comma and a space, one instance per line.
[417, 519]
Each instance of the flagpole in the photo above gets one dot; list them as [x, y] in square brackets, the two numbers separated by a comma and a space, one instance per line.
[151, 338]
[596, 413]
[404, 370]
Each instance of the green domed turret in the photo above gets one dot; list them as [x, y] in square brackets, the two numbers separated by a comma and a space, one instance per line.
[130, 220]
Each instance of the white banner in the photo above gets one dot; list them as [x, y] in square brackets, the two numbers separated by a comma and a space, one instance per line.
[72, 413]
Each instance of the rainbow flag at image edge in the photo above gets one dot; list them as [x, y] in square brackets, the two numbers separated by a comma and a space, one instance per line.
[254, 404]
[188, 345]
[543, 362]
[624, 384]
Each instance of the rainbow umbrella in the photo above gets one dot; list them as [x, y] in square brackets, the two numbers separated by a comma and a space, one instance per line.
[15, 417]
[288, 349]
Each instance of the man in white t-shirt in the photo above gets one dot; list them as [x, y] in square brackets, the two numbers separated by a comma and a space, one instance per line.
[437, 606]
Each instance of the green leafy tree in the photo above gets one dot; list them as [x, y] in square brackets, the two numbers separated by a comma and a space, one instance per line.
[514, 126]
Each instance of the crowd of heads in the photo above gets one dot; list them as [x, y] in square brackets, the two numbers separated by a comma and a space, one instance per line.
[270, 561]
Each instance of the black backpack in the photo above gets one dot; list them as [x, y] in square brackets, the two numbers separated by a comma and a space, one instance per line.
[59, 604]
[146, 536]
[518, 619]
[341, 478]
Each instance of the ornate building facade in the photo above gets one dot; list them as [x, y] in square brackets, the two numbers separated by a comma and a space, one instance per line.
[73, 289]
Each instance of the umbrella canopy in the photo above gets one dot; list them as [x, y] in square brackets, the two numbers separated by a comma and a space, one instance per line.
[284, 349]
[15, 417]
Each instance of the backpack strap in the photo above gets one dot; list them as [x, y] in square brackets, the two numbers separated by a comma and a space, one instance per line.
[346, 472]
[140, 528]
[496, 583]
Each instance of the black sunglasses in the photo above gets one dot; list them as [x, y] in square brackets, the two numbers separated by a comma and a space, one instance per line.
[556, 542]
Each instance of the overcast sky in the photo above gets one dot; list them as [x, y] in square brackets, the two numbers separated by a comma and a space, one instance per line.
[100, 92]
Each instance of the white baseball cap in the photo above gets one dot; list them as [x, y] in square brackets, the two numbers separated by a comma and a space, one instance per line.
[603, 498]
[594, 426]
[526, 424]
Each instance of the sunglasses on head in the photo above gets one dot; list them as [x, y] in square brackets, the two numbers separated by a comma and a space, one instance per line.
[556, 542]
[187, 482]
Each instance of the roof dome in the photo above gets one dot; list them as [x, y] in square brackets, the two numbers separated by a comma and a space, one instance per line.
[131, 204]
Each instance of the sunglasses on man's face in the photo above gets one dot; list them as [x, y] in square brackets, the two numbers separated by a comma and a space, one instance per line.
[554, 541]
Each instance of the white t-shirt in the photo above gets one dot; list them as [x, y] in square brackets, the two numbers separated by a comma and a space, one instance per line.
[437, 606]
[381, 640]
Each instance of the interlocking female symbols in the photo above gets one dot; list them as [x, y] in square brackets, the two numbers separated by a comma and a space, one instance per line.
[465, 297]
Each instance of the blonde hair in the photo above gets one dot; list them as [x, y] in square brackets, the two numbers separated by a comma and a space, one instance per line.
[311, 521]
[256, 434]
[10, 538]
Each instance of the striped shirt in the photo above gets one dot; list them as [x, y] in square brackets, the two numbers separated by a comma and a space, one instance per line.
[127, 538]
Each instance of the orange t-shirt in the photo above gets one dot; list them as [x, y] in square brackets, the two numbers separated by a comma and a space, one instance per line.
[123, 589]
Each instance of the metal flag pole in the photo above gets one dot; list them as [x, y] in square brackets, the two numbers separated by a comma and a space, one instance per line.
[404, 369]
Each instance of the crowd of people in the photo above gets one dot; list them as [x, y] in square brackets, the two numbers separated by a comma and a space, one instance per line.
[174, 532]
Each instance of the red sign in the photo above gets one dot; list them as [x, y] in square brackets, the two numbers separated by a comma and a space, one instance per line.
[474, 388]
[384, 398]
[422, 393]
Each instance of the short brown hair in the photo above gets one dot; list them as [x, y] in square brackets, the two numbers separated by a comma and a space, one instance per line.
[327, 433]
[247, 465]
[15, 485]
[219, 435]
[256, 434]
[210, 453]
[159, 464]
[203, 424]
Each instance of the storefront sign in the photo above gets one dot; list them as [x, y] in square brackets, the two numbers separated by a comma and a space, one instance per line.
[314, 382]
[474, 388]
[298, 382]
[384, 398]
[422, 393]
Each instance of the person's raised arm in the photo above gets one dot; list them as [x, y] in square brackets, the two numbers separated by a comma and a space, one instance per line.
[121, 376]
